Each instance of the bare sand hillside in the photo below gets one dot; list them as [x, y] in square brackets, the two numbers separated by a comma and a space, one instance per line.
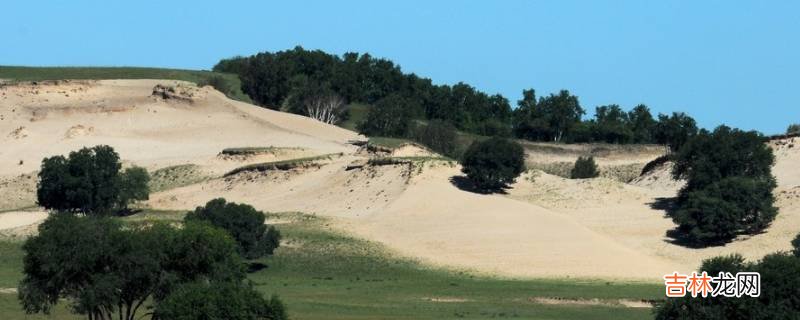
[545, 226]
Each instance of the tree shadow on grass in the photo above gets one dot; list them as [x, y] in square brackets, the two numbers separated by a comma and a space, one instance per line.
[127, 212]
[465, 184]
[254, 266]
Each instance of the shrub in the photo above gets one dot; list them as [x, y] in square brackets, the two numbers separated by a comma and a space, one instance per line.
[780, 278]
[244, 223]
[234, 301]
[218, 82]
[493, 163]
[439, 136]
[729, 185]
[584, 168]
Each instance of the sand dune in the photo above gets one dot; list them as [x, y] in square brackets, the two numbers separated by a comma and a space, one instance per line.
[546, 226]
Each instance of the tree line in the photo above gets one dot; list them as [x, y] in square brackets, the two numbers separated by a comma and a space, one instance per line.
[318, 84]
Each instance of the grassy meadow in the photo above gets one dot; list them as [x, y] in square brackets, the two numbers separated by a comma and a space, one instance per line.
[321, 273]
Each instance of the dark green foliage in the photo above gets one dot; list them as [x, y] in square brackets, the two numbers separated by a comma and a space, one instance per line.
[549, 119]
[87, 181]
[390, 117]
[234, 301]
[584, 168]
[796, 245]
[641, 124]
[729, 185]
[721, 211]
[793, 129]
[287, 78]
[655, 163]
[103, 268]
[612, 125]
[244, 223]
[219, 83]
[440, 137]
[675, 130]
[779, 299]
[493, 163]
[133, 186]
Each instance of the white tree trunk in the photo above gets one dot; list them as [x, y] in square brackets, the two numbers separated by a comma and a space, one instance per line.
[325, 108]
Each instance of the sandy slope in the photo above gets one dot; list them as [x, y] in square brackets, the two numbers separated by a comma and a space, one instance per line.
[44, 120]
[544, 226]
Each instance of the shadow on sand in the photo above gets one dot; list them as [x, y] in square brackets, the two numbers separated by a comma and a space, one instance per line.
[465, 184]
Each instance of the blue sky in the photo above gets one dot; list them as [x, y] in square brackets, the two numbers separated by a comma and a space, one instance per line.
[728, 62]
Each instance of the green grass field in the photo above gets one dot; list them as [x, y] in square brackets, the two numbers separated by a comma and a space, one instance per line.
[321, 273]
[99, 73]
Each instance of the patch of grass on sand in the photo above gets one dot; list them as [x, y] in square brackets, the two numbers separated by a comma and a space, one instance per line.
[175, 177]
[321, 273]
[246, 151]
[390, 143]
[100, 73]
[283, 164]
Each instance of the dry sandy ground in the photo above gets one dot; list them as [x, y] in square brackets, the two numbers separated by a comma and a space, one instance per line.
[545, 226]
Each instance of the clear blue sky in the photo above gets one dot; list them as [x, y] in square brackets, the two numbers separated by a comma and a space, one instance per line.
[728, 62]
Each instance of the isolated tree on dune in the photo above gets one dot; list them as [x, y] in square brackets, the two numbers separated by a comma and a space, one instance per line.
[493, 163]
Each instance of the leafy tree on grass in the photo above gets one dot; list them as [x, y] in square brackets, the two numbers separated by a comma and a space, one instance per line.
[234, 301]
[243, 222]
[584, 168]
[729, 185]
[133, 186]
[493, 163]
[89, 181]
[107, 270]
[780, 280]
